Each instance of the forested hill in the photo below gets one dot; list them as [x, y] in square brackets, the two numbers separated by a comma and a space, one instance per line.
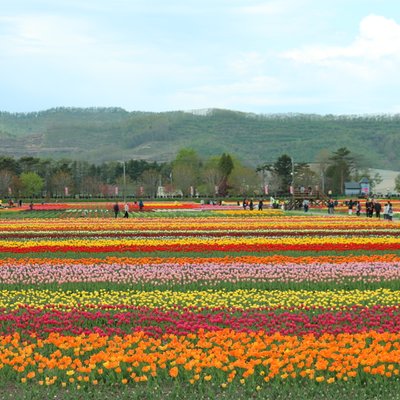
[103, 134]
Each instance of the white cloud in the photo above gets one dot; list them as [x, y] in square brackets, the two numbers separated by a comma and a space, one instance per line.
[379, 38]
[43, 34]
[227, 54]
[80, 48]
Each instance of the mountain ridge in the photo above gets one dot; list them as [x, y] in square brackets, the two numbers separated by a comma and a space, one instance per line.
[104, 134]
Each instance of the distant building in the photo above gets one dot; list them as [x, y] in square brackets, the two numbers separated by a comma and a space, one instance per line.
[352, 188]
[357, 188]
[364, 184]
[168, 191]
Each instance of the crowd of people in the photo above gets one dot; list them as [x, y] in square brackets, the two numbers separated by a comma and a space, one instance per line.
[372, 207]
[126, 208]
[11, 204]
[249, 204]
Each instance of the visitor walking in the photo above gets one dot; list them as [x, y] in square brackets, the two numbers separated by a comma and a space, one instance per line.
[260, 205]
[358, 208]
[126, 210]
[331, 207]
[116, 209]
[141, 205]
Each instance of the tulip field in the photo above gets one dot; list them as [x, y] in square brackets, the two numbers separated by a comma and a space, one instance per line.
[218, 305]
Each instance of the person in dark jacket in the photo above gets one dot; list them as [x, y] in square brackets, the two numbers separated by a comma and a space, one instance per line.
[141, 205]
[116, 209]
[378, 209]
[251, 205]
[358, 208]
[369, 207]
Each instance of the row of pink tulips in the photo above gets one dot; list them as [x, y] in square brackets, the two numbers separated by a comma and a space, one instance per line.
[35, 272]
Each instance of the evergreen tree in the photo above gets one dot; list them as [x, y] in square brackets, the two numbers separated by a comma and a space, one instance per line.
[342, 165]
[225, 165]
[283, 168]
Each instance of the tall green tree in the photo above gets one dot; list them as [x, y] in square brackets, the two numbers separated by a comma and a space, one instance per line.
[283, 168]
[150, 179]
[30, 164]
[9, 164]
[31, 184]
[186, 170]
[342, 165]
[225, 165]
[304, 176]
[60, 181]
[211, 176]
[244, 180]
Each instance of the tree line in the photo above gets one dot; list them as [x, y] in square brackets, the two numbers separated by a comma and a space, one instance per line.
[187, 175]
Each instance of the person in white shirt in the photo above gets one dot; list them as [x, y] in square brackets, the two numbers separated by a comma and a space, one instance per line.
[126, 209]
[385, 211]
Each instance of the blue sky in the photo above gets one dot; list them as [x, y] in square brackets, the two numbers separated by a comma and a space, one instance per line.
[271, 56]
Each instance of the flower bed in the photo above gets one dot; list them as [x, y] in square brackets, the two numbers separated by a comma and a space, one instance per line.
[217, 301]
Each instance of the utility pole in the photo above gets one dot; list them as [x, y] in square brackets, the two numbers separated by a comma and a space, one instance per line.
[124, 172]
[291, 159]
[124, 178]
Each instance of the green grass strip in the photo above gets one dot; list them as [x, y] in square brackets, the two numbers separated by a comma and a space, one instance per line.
[148, 287]
[215, 254]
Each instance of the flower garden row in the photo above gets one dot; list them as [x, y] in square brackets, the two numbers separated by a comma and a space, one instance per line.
[149, 273]
[225, 299]
[122, 320]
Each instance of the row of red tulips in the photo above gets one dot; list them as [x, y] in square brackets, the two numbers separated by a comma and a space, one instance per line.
[135, 234]
[241, 247]
[158, 322]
